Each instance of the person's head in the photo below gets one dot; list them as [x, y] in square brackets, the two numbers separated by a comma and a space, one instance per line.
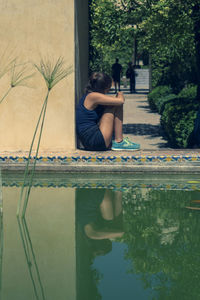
[99, 82]
[117, 60]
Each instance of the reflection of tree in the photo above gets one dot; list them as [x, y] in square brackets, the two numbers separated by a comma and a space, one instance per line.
[163, 242]
[98, 218]
[30, 258]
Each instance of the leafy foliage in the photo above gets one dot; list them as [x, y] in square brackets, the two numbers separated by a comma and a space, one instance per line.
[110, 37]
[53, 72]
[179, 116]
[163, 101]
[156, 94]
[169, 37]
[166, 29]
[6, 61]
[163, 242]
[20, 73]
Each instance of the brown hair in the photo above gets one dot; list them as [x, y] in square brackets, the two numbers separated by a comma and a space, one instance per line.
[98, 82]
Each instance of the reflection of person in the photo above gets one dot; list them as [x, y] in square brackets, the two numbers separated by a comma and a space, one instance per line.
[116, 74]
[98, 219]
[99, 115]
[104, 227]
[99, 212]
[130, 74]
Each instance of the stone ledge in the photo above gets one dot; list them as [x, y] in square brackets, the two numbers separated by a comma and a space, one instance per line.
[165, 160]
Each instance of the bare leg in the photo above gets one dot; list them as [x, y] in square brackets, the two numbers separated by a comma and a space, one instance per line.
[118, 123]
[112, 120]
[117, 203]
[111, 207]
[107, 206]
[119, 85]
[115, 87]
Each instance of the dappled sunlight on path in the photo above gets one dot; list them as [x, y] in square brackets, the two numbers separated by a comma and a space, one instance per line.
[141, 124]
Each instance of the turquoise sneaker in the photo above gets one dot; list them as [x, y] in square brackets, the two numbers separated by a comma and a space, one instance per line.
[126, 144]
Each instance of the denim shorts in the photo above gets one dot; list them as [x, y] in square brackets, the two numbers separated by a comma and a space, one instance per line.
[92, 139]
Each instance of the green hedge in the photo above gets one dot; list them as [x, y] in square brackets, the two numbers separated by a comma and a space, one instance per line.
[178, 118]
[156, 94]
[161, 102]
[189, 92]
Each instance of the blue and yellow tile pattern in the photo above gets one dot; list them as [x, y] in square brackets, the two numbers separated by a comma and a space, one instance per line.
[104, 159]
[186, 186]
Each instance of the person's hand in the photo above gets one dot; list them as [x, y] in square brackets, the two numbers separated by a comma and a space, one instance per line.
[120, 95]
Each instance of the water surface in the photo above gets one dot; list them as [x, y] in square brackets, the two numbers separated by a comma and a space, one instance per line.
[101, 237]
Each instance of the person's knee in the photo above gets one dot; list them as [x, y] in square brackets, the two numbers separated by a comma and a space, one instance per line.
[119, 107]
[110, 109]
[116, 109]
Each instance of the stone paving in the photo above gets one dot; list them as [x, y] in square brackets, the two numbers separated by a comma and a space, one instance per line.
[141, 124]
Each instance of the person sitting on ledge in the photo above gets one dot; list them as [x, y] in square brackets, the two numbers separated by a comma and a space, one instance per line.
[99, 116]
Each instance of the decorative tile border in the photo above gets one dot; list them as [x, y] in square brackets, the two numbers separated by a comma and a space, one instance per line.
[103, 160]
[186, 186]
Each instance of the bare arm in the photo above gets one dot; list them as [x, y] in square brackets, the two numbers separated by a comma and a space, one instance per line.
[94, 99]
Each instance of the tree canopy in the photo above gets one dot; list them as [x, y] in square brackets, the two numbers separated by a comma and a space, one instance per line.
[166, 29]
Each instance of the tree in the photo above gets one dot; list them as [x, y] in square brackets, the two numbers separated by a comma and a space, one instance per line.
[110, 37]
[170, 32]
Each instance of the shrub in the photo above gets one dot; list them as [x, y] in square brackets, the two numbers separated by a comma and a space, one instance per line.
[189, 92]
[156, 94]
[178, 118]
[161, 102]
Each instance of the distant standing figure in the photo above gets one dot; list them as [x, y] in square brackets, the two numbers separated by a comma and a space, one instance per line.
[116, 74]
[130, 74]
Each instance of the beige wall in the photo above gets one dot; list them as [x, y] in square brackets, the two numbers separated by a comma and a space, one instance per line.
[31, 29]
[51, 223]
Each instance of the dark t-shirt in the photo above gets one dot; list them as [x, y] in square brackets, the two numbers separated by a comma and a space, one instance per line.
[116, 71]
[86, 118]
[130, 73]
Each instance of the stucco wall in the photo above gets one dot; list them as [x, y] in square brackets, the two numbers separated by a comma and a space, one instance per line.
[30, 30]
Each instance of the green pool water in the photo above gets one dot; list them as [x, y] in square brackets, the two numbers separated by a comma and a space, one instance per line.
[92, 237]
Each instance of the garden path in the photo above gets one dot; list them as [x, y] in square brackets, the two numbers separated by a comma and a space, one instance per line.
[142, 125]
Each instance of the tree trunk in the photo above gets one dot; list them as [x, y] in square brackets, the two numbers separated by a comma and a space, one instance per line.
[150, 72]
[135, 50]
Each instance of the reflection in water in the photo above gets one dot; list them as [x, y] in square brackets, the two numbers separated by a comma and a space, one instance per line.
[23, 228]
[30, 258]
[161, 239]
[158, 238]
[163, 242]
[98, 220]
[25, 189]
